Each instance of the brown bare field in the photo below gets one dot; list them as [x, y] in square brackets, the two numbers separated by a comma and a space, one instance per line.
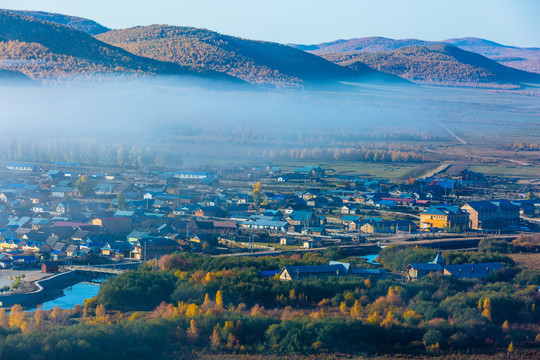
[531, 261]
[517, 354]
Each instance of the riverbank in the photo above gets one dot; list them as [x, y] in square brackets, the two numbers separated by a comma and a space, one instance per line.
[28, 278]
[47, 289]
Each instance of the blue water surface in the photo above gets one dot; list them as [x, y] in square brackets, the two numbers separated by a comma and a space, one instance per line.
[73, 295]
[370, 258]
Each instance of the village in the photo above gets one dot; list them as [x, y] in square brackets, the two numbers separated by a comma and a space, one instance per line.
[62, 214]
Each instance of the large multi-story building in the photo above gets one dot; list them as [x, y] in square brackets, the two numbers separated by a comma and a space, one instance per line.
[444, 217]
[492, 214]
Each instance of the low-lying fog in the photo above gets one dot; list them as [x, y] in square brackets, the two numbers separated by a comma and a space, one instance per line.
[196, 119]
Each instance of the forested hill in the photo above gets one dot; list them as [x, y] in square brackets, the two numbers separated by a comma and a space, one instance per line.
[253, 61]
[527, 59]
[439, 64]
[46, 50]
[367, 44]
[77, 23]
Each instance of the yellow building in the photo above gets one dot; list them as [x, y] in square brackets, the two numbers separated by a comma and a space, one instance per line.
[444, 217]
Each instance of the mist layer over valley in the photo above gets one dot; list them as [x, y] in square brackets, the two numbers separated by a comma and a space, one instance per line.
[170, 118]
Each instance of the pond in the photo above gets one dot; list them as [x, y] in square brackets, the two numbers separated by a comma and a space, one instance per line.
[371, 258]
[73, 295]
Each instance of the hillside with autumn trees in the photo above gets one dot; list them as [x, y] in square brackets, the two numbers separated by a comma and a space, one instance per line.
[47, 50]
[527, 59]
[259, 62]
[438, 64]
[74, 22]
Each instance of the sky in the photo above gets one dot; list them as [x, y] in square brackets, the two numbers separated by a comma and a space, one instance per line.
[510, 22]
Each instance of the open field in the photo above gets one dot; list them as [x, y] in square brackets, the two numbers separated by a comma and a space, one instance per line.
[510, 171]
[517, 354]
[362, 168]
[393, 171]
[531, 261]
[7, 275]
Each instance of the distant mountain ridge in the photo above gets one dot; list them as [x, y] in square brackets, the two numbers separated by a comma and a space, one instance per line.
[259, 62]
[74, 22]
[438, 64]
[527, 59]
[46, 45]
[44, 49]
[368, 44]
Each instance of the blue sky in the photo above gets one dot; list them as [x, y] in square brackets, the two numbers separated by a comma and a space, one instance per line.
[510, 22]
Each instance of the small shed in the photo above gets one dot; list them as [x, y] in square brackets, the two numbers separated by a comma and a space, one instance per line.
[49, 267]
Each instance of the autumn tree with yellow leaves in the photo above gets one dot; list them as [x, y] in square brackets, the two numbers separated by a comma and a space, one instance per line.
[486, 312]
[17, 317]
[257, 194]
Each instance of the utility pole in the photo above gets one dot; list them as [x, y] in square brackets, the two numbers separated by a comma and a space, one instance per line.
[251, 242]
[145, 251]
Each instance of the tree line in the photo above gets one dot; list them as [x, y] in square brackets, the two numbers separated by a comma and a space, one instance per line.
[87, 152]
[222, 305]
[362, 153]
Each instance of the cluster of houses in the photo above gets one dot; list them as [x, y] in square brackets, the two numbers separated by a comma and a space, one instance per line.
[416, 271]
[412, 272]
[143, 215]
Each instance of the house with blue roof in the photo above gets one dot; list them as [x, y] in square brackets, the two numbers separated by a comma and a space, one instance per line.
[152, 247]
[472, 271]
[301, 272]
[135, 236]
[386, 204]
[311, 171]
[334, 268]
[54, 174]
[269, 273]
[448, 184]
[124, 213]
[348, 219]
[415, 271]
[307, 218]
[117, 249]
